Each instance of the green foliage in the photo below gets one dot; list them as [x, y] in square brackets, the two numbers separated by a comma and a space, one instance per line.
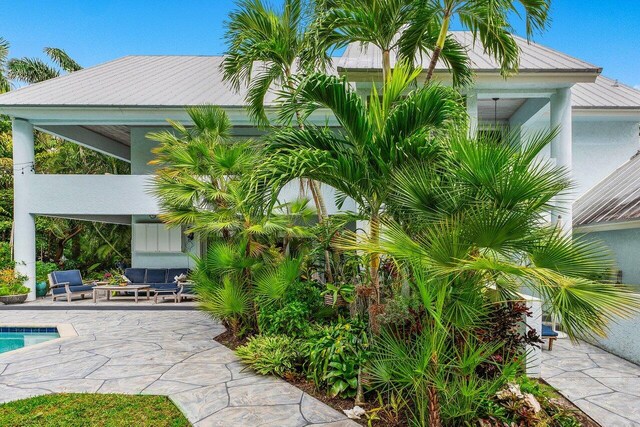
[277, 39]
[335, 356]
[43, 269]
[344, 290]
[275, 354]
[5, 256]
[300, 305]
[292, 319]
[13, 289]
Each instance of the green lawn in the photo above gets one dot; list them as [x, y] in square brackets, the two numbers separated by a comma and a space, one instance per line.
[104, 410]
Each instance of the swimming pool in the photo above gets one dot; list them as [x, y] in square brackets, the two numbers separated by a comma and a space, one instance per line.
[14, 337]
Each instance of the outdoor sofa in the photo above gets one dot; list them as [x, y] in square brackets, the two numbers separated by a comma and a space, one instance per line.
[161, 280]
[68, 283]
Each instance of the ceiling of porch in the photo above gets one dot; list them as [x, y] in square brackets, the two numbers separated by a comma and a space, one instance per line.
[500, 110]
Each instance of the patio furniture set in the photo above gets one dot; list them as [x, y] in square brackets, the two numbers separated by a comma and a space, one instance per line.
[157, 282]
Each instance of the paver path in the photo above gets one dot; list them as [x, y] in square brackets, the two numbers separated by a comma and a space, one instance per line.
[604, 386]
[155, 352]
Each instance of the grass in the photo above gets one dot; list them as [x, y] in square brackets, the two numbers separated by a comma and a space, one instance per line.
[99, 410]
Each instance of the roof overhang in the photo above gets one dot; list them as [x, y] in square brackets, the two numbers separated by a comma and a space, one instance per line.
[528, 77]
[607, 226]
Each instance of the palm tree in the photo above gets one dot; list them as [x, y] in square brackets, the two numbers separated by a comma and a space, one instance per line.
[468, 233]
[267, 48]
[488, 21]
[5, 83]
[478, 214]
[34, 70]
[374, 139]
[408, 26]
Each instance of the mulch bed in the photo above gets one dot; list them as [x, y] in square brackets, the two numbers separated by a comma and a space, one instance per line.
[560, 400]
[230, 341]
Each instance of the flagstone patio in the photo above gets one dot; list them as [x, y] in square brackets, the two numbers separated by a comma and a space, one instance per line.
[155, 352]
[604, 386]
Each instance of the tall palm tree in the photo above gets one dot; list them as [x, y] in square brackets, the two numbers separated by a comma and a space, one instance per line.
[34, 70]
[408, 26]
[488, 21]
[374, 139]
[267, 48]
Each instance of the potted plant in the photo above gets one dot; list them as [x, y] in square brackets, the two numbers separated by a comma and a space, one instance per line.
[12, 290]
[42, 271]
[339, 294]
[114, 278]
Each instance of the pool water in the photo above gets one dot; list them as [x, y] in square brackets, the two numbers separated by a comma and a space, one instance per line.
[12, 338]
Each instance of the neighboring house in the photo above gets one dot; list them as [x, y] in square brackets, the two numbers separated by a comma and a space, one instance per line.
[111, 107]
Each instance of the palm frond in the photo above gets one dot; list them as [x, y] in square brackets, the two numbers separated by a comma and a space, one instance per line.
[62, 59]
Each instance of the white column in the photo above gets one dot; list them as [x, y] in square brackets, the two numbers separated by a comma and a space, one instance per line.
[472, 111]
[24, 236]
[560, 105]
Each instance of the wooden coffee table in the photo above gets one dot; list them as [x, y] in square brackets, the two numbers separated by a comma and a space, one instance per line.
[129, 288]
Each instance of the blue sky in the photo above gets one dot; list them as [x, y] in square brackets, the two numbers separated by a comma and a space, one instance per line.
[603, 32]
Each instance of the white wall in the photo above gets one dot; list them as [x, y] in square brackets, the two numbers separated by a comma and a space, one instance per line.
[140, 156]
[599, 148]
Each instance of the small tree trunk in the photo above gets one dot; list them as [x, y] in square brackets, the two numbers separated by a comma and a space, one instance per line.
[374, 263]
[442, 37]
[386, 65]
[359, 393]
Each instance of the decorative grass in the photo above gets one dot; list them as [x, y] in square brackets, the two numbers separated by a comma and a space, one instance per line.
[96, 410]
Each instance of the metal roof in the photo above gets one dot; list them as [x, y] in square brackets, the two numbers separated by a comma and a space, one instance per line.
[178, 81]
[614, 199]
[604, 93]
[533, 58]
[164, 81]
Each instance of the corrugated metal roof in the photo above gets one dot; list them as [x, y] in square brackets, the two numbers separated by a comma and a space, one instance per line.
[533, 58]
[616, 198]
[167, 81]
[604, 93]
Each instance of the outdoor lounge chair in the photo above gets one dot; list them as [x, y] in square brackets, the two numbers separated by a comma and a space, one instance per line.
[550, 334]
[69, 283]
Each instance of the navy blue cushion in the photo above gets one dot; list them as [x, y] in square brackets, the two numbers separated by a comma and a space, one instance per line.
[74, 289]
[73, 277]
[548, 332]
[174, 272]
[164, 286]
[136, 275]
[156, 275]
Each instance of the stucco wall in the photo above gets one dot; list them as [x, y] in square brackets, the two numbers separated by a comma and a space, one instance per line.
[599, 148]
[625, 245]
[140, 156]
[622, 338]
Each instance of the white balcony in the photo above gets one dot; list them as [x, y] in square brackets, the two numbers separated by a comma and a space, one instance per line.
[90, 195]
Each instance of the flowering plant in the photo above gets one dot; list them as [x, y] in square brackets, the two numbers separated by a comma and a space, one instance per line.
[113, 278]
[11, 282]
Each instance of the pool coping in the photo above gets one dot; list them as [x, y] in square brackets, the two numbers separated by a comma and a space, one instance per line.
[65, 330]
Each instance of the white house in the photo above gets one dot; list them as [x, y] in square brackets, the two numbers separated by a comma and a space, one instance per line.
[111, 107]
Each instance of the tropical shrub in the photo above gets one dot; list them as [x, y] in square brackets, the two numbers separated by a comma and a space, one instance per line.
[275, 354]
[292, 320]
[336, 354]
[43, 269]
[11, 282]
[5, 256]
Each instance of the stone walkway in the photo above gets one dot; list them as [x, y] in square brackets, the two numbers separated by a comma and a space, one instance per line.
[154, 352]
[604, 386]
